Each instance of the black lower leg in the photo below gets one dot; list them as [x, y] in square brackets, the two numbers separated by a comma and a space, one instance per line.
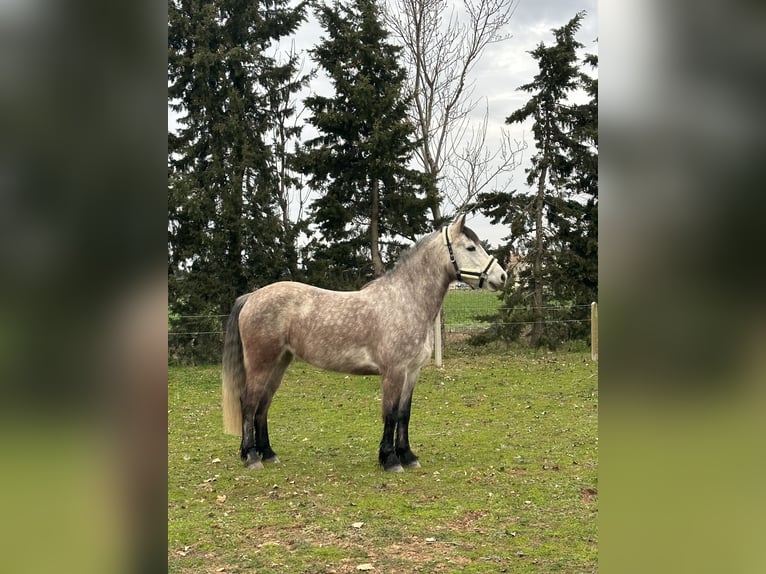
[247, 449]
[403, 450]
[249, 404]
[387, 454]
[262, 444]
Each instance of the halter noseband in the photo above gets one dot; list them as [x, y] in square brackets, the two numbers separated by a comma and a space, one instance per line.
[481, 276]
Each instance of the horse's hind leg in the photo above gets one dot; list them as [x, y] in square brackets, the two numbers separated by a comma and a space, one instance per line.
[250, 398]
[263, 379]
[262, 444]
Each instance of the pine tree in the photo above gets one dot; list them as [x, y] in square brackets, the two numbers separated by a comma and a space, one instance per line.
[359, 160]
[554, 225]
[225, 234]
[282, 87]
[574, 216]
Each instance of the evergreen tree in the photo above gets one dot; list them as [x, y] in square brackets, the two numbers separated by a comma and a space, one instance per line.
[574, 216]
[554, 226]
[338, 265]
[225, 234]
[285, 132]
[359, 160]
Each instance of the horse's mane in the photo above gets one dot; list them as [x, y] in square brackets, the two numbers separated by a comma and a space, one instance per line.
[407, 254]
[404, 256]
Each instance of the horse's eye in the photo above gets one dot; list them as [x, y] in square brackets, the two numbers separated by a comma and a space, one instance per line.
[471, 248]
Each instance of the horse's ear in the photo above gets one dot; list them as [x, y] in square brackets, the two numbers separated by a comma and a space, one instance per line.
[458, 224]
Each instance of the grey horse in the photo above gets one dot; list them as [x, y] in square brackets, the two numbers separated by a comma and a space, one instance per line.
[385, 329]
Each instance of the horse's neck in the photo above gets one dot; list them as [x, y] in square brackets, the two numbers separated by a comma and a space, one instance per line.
[424, 276]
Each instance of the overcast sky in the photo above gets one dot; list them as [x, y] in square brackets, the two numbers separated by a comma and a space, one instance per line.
[507, 65]
[503, 68]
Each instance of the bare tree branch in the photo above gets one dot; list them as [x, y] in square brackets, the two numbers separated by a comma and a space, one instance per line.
[441, 48]
[476, 168]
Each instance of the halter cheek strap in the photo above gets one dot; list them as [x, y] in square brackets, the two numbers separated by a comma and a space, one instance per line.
[481, 276]
[452, 254]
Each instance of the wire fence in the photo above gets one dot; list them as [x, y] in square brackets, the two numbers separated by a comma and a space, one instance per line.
[472, 311]
[468, 316]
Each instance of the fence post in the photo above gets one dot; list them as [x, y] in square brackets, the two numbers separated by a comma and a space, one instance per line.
[594, 331]
[438, 340]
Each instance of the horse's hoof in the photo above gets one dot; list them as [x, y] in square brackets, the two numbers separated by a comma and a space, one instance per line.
[395, 468]
[273, 460]
[413, 464]
[253, 462]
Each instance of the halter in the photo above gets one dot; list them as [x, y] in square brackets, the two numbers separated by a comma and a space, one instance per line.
[481, 276]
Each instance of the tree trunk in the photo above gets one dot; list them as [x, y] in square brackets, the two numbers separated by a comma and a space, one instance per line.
[537, 265]
[436, 211]
[280, 158]
[377, 261]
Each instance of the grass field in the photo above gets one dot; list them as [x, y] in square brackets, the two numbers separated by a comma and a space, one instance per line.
[508, 446]
[463, 307]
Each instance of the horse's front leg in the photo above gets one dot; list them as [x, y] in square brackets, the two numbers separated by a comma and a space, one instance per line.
[403, 450]
[392, 383]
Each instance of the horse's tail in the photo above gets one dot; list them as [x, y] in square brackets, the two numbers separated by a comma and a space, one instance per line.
[233, 371]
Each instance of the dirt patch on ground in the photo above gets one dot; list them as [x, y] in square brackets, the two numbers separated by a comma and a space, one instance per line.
[588, 495]
[428, 554]
[467, 522]
[415, 555]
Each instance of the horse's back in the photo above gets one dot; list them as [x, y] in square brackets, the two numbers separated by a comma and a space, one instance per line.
[274, 308]
[286, 300]
[334, 330]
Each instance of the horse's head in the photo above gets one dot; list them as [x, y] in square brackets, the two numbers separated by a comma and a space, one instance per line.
[471, 263]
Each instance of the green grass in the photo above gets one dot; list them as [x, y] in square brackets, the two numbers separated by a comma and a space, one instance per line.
[508, 445]
[462, 308]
